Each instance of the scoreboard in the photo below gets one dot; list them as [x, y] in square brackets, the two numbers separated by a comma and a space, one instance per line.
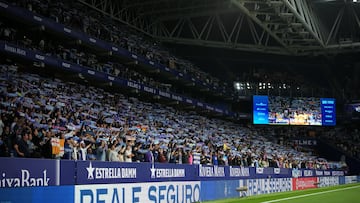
[260, 110]
[294, 111]
[328, 111]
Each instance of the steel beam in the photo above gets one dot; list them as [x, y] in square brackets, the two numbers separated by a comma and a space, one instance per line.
[270, 26]
[114, 11]
[243, 9]
[304, 14]
[217, 44]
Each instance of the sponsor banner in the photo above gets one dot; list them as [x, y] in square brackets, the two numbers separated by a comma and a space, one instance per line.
[259, 170]
[350, 179]
[319, 173]
[305, 142]
[304, 183]
[337, 173]
[206, 172]
[53, 194]
[296, 173]
[308, 173]
[237, 172]
[282, 172]
[270, 172]
[327, 173]
[219, 189]
[19, 172]
[15, 172]
[14, 50]
[328, 181]
[342, 180]
[172, 172]
[139, 192]
[96, 172]
[264, 186]
[313, 173]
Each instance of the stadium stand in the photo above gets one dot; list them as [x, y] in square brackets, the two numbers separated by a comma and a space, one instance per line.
[108, 126]
[35, 109]
[77, 16]
[52, 48]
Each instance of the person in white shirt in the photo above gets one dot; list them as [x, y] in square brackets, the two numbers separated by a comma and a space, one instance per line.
[114, 152]
[75, 151]
[128, 154]
[83, 150]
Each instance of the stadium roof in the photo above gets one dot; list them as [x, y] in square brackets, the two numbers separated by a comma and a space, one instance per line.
[286, 27]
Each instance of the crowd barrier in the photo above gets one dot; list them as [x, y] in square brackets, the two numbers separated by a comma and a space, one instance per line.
[17, 172]
[43, 180]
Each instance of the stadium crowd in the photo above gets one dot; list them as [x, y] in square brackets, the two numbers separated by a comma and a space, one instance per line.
[59, 50]
[345, 138]
[106, 126]
[80, 17]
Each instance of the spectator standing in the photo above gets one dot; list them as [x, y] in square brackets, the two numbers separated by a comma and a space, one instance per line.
[22, 147]
[47, 147]
[101, 151]
[83, 150]
[73, 144]
[114, 152]
[121, 155]
[190, 157]
[138, 157]
[7, 139]
[128, 154]
[33, 149]
[90, 155]
[149, 155]
[184, 157]
[162, 158]
[67, 149]
[215, 158]
[4, 152]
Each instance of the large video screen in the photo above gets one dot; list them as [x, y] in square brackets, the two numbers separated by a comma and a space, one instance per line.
[276, 110]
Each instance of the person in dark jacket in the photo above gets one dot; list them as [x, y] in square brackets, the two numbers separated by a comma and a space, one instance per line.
[22, 147]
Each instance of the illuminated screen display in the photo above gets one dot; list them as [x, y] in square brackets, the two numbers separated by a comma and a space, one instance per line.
[260, 110]
[276, 110]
